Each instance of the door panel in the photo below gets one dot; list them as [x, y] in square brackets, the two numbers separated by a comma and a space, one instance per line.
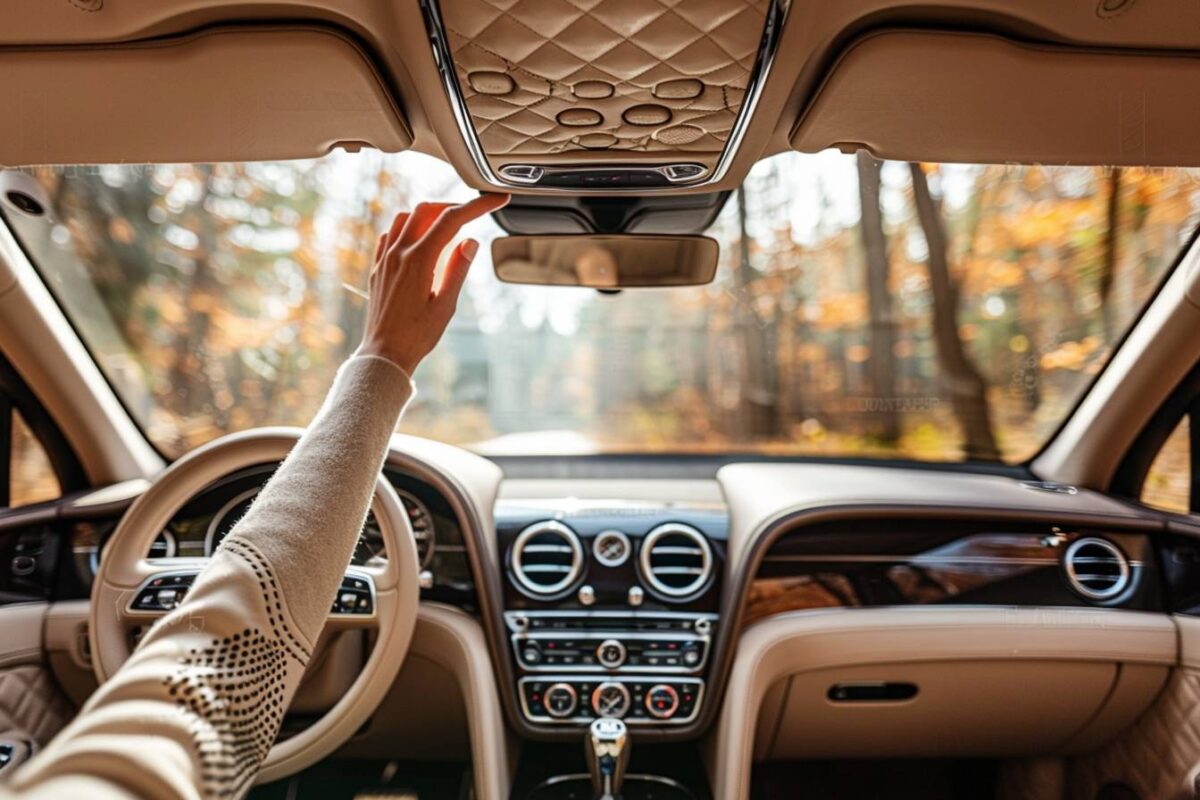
[32, 708]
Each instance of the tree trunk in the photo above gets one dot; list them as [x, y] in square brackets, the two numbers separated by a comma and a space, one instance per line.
[759, 417]
[1108, 268]
[968, 391]
[881, 366]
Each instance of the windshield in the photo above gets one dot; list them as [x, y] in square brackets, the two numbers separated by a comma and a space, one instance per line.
[934, 312]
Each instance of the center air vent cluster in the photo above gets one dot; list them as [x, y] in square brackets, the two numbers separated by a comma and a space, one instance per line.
[546, 559]
[676, 561]
[1096, 568]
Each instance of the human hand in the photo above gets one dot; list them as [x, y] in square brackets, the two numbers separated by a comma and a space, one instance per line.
[406, 315]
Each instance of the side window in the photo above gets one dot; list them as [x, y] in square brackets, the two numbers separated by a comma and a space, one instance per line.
[1168, 482]
[31, 476]
[36, 463]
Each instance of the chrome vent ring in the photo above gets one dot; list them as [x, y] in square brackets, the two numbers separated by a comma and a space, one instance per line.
[546, 559]
[676, 561]
[1096, 568]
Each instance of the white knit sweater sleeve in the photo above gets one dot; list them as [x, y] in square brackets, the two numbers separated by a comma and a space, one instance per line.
[195, 709]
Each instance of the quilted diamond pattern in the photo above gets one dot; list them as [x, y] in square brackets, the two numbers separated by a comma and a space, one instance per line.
[1156, 755]
[31, 704]
[660, 75]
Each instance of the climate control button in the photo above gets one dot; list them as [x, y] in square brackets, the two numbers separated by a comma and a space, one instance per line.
[662, 701]
[611, 699]
[561, 700]
[610, 653]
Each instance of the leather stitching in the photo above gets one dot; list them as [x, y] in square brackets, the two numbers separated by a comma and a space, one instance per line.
[1156, 754]
[527, 122]
[31, 703]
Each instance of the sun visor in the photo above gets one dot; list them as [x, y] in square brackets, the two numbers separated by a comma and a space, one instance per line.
[223, 95]
[974, 98]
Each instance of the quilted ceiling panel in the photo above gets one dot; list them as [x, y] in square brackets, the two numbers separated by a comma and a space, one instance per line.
[544, 77]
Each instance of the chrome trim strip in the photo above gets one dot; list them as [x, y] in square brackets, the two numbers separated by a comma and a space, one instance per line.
[440, 44]
[1049, 561]
[511, 617]
[532, 174]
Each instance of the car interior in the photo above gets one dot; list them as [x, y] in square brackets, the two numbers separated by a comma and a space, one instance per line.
[821, 417]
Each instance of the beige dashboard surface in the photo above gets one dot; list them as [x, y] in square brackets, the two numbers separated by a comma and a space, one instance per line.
[551, 76]
[760, 493]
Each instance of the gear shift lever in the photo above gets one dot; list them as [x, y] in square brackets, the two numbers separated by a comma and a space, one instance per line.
[607, 746]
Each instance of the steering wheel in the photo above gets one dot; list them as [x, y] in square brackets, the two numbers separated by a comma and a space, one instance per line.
[124, 570]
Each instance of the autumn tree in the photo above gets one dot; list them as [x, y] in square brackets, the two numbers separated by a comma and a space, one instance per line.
[882, 362]
[967, 388]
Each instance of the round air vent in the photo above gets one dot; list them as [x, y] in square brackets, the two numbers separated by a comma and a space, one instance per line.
[1096, 568]
[546, 558]
[676, 561]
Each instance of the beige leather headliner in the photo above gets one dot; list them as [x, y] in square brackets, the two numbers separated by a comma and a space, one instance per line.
[249, 95]
[906, 95]
[814, 35]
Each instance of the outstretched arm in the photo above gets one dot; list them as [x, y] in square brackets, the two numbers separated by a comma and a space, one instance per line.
[193, 713]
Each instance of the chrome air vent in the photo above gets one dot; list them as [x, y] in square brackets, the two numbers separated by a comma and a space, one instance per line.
[676, 561]
[546, 559]
[1096, 568]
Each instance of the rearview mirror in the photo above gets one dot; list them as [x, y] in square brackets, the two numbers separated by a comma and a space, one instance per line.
[606, 262]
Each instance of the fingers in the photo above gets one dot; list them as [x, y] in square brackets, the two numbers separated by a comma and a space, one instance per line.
[432, 226]
[387, 240]
[419, 221]
[456, 274]
[393, 234]
[452, 218]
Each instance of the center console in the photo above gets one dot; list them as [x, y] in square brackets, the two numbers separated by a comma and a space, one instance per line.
[610, 609]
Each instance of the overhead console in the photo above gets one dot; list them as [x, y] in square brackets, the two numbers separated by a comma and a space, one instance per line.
[610, 608]
[609, 96]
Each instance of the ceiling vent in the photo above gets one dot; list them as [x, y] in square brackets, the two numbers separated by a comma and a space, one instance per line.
[1096, 568]
[546, 559]
[676, 561]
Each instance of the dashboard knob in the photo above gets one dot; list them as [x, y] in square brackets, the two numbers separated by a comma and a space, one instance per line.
[587, 595]
[636, 596]
[561, 700]
[610, 699]
[662, 701]
[531, 653]
[610, 653]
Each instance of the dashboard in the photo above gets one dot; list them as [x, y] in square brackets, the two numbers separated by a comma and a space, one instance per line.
[603, 596]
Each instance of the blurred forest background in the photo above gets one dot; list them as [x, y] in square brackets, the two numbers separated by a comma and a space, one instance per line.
[861, 309]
